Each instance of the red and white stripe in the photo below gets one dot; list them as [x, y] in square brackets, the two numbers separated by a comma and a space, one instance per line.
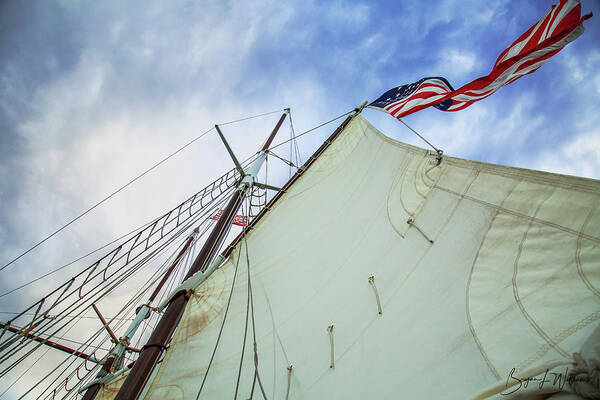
[560, 26]
[428, 93]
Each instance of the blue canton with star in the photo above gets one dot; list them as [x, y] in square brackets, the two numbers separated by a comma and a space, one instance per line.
[404, 91]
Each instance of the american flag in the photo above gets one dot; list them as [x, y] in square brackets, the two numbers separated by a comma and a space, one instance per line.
[240, 220]
[548, 36]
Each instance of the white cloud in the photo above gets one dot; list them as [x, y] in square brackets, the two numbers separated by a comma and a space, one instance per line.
[458, 63]
[579, 156]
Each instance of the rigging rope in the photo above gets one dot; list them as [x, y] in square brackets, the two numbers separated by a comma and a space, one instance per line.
[294, 150]
[227, 179]
[54, 316]
[81, 300]
[222, 326]
[438, 151]
[256, 373]
[120, 279]
[312, 129]
[126, 185]
[254, 116]
[103, 200]
[129, 306]
[288, 162]
[120, 276]
[237, 384]
[74, 261]
[31, 366]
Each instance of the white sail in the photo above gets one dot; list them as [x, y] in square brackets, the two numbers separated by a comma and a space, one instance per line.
[499, 268]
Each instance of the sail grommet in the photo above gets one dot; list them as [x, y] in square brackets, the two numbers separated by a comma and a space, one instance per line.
[372, 282]
[332, 361]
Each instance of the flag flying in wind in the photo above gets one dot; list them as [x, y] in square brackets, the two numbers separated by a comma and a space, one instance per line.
[560, 26]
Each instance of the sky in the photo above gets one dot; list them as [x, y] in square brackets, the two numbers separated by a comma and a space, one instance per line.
[94, 93]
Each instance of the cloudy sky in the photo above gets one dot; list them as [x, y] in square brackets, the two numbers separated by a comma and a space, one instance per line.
[94, 93]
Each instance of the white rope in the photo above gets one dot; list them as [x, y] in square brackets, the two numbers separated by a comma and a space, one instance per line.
[255, 345]
[584, 377]
[438, 151]
[289, 382]
[311, 130]
[411, 222]
[372, 282]
[330, 330]
[117, 276]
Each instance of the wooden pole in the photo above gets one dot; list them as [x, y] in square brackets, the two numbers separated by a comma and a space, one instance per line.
[142, 368]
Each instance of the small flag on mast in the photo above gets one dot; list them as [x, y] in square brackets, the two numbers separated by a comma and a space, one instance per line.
[548, 36]
[240, 220]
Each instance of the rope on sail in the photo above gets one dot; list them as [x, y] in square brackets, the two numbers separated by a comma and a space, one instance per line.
[289, 381]
[102, 277]
[332, 354]
[249, 310]
[239, 374]
[237, 263]
[372, 282]
[411, 222]
[255, 346]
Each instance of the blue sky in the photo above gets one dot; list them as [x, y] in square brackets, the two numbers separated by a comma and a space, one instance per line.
[93, 93]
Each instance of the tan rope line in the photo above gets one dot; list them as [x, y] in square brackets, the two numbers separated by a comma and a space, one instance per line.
[332, 355]
[372, 282]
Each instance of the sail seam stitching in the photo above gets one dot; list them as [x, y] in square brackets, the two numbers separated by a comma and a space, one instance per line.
[468, 291]
[524, 216]
[580, 271]
[565, 333]
[517, 298]
[586, 185]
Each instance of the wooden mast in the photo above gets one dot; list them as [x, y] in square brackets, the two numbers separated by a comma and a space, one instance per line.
[142, 368]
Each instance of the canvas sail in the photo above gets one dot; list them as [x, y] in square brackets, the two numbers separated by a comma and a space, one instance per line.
[499, 268]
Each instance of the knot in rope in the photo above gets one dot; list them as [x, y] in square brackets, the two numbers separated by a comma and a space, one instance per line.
[584, 377]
